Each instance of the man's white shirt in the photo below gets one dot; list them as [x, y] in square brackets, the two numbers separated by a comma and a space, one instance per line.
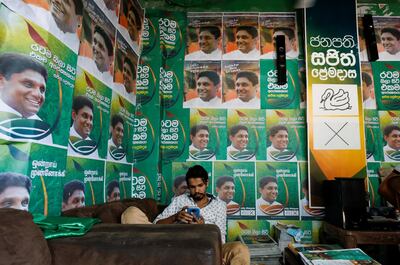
[194, 149]
[239, 55]
[109, 156]
[6, 108]
[74, 133]
[273, 149]
[385, 56]
[231, 149]
[202, 56]
[199, 103]
[89, 65]
[386, 149]
[237, 103]
[260, 201]
[131, 97]
[369, 103]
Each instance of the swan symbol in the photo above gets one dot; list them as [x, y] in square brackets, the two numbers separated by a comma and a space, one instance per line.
[335, 101]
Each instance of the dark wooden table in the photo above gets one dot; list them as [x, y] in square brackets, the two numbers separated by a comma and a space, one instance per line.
[353, 238]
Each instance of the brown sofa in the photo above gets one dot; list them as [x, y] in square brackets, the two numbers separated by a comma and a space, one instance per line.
[21, 241]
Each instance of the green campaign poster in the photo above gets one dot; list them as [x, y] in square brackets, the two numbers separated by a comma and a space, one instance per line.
[246, 130]
[90, 117]
[49, 66]
[387, 84]
[277, 190]
[274, 96]
[306, 213]
[42, 170]
[238, 228]
[373, 136]
[118, 182]
[121, 138]
[207, 131]
[146, 180]
[373, 184]
[145, 136]
[308, 230]
[234, 184]
[149, 63]
[174, 136]
[286, 135]
[390, 126]
[84, 183]
[176, 182]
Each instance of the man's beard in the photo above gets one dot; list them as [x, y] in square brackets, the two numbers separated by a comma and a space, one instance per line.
[198, 196]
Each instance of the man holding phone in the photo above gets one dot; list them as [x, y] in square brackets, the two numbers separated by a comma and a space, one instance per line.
[212, 211]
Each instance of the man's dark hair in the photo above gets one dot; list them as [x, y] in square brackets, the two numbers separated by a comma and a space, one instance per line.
[287, 31]
[236, 128]
[265, 180]
[197, 171]
[115, 119]
[249, 29]
[212, 75]
[395, 32]
[78, 7]
[252, 77]
[15, 63]
[11, 179]
[178, 180]
[222, 180]
[110, 187]
[366, 78]
[107, 40]
[215, 31]
[80, 102]
[129, 62]
[389, 129]
[275, 129]
[196, 128]
[70, 187]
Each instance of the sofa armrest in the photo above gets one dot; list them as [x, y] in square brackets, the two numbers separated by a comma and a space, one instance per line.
[141, 244]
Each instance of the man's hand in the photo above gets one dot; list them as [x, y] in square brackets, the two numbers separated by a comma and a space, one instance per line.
[183, 217]
[199, 220]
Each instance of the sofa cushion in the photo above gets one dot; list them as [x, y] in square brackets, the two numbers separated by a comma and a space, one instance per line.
[21, 241]
[133, 215]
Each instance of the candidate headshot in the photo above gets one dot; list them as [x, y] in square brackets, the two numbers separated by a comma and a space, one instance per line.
[73, 195]
[290, 43]
[113, 192]
[129, 75]
[65, 14]
[134, 23]
[390, 39]
[239, 138]
[209, 38]
[268, 189]
[246, 87]
[279, 138]
[82, 117]
[391, 135]
[22, 85]
[180, 186]
[368, 91]
[102, 48]
[14, 191]
[207, 88]
[199, 137]
[117, 130]
[225, 188]
[246, 38]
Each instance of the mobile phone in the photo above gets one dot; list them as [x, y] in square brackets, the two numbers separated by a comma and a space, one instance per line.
[195, 211]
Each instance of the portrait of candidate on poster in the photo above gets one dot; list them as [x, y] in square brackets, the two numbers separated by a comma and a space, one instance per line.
[272, 25]
[237, 149]
[204, 37]
[90, 117]
[368, 87]
[241, 37]
[131, 19]
[387, 31]
[37, 78]
[60, 18]
[278, 140]
[202, 85]
[96, 53]
[241, 87]
[125, 69]
[15, 190]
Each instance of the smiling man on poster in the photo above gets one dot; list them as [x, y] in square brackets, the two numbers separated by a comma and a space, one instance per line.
[246, 87]
[208, 38]
[279, 138]
[207, 87]
[246, 41]
[22, 89]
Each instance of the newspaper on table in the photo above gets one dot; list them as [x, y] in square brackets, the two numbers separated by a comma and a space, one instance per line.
[350, 256]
